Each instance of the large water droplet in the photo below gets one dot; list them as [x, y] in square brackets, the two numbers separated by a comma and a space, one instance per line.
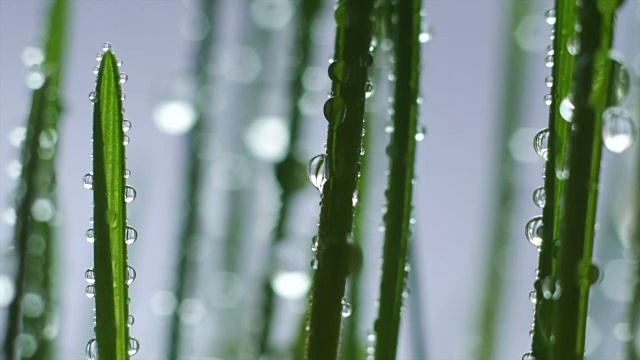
[620, 82]
[548, 61]
[130, 275]
[134, 346]
[91, 350]
[539, 197]
[339, 71]
[346, 308]
[130, 235]
[129, 194]
[123, 78]
[106, 46]
[92, 97]
[99, 56]
[618, 129]
[127, 173]
[126, 125]
[528, 356]
[540, 143]
[550, 16]
[90, 235]
[532, 297]
[90, 291]
[317, 172]
[573, 46]
[566, 109]
[533, 230]
[335, 110]
[90, 276]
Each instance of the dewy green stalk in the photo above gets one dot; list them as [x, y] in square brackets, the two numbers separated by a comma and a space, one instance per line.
[592, 83]
[287, 170]
[551, 145]
[110, 278]
[511, 120]
[35, 203]
[190, 225]
[336, 175]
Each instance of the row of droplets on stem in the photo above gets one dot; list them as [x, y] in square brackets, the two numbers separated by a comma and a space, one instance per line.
[131, 234]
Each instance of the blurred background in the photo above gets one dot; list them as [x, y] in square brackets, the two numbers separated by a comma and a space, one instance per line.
[253, 53]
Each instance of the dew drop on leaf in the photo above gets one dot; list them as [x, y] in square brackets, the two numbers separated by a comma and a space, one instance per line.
[90, 235]
[533, 230]
[540, 143]
[92, 97]
[550, 16]
[106, 47]
[126, 125]
[339, 71]
[130, 235]
[129, 194]
[618, 130]
[90, 276]
[566, 109]
[123, 78]
[335, 110]
[620, 82]
[134, 346]
[130, 275]
[90, 291]
[346, 308]
[316, 171]
[539, 197]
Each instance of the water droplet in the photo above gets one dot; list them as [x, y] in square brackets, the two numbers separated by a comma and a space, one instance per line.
[426, 35]
[346, 308]
[339, 71]
[92, 97]
[550, 16]
[594, 274]
[130, 275]
[550, 50]
[407, 267]
[368, 90]
[134, 346]
[573, 46]
[389, 128]
[119, 62]
[87, 181]
[99, 56]
[126, 125]
[566, 109]
[562, 172]
[123, 96]
[548, 99]
[126, 140]
[127, 173]
[130, 320]
[90, 235]
[90, 291]
[129, 194]
[316, 171]
[366, 60]
[371, 336]
[91, 350]
[541, 143]
[130, 235]
[620, 82]
[618, 129]
[533, 230]
[106, 46]
[421, 133]
[123, 78]
[314, 243]
[90, 276]
[549, 81]
[314, 263]
[528, 356]
[539, 197]
[335, 110]
[532, 297]
[548, 61]
[551, 290]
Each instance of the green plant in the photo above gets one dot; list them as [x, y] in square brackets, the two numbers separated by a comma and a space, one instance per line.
[110, 278]
[36, 200]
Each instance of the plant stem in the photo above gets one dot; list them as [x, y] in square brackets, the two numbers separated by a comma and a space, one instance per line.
[554, 187]
[110, 250]
[38, 163]
[345, 112]
[401, 153]
[289, 169]
[190, 224]
[591, 86]
[504, 185]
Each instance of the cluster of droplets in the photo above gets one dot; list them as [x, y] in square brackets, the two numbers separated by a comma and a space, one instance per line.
[130, 233]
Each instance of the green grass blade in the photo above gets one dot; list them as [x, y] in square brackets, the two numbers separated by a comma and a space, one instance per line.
[511, 120]
[401, 153]
[38, 160]
[558, 130]
[591, 89]
[110, 250]
[345, 113]
[288, 170]
[190, 225]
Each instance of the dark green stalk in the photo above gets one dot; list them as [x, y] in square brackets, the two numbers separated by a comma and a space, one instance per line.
[37, 182]
[110, 249]
[190, 223]
[554, 187]
[288, 170]
[511, 120]
[591, 86]
[345, 112]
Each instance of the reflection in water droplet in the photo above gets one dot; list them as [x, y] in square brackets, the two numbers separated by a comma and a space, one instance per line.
[90, 276]
[130, 320]
[91, 350]
[551, 290]
[346, 308]
[573, 46]
[539, 197]
[421, 133]
[389, 128]
[129, 194]
[335, 110]
[339, 71]
[124, 78]
[99, 56]
[134, 346]
[130, 275]
[368, 90]
[548, 99]
[126, 125]
[126, 140]
[533, 230]
[540, 143]
[90, 235]
[528, 356]
[130, 235]
[317, 172]
[314, 243]
[106, 46]
[548, 61]
[532, 297]
[620, 81]
[550, 16]
[314, 263]
[90, 291]
[92, 97]
[549, 81]
[618, 129]
[566, 109]
[426, 35]
[594, 274]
